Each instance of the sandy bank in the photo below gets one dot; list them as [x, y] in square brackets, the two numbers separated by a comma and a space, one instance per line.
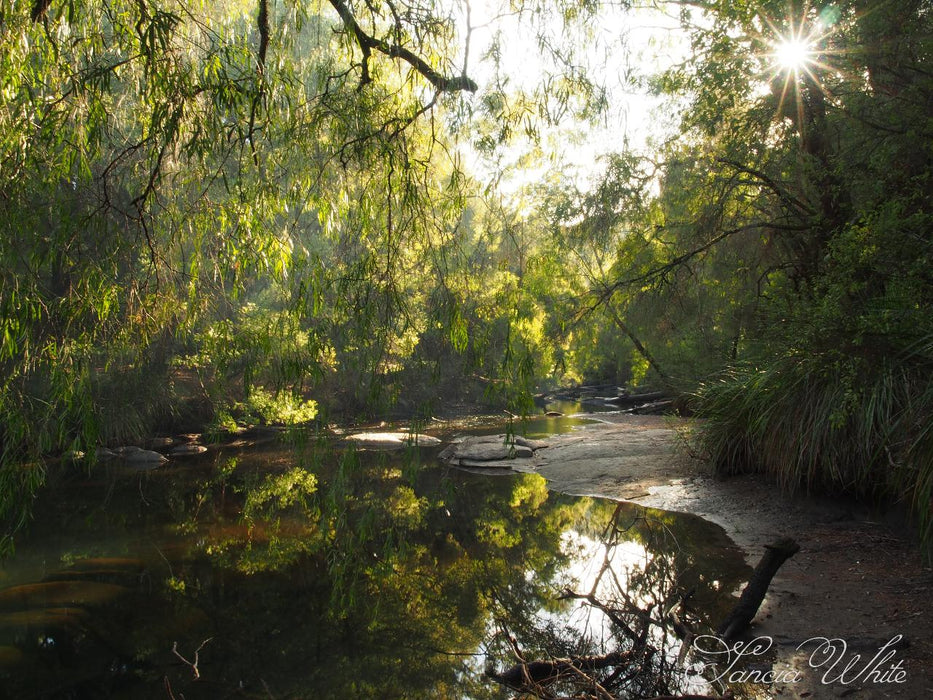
[858, 575]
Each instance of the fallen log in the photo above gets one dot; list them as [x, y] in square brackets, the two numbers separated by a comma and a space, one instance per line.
[629, 400]
[754, 592]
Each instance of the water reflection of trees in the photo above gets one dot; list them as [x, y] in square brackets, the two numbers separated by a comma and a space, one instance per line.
[360, 576]
[365, 576]
[655, 585]
[383, 588]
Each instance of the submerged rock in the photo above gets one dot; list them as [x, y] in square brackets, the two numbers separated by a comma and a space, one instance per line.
[391, 441]
[10, 657]
[38, 618]
[123, 571]
[95, 563]
[144, 457]
[187, 450]
[56, 595]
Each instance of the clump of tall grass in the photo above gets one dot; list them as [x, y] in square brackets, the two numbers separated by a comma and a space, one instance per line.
[829, 424]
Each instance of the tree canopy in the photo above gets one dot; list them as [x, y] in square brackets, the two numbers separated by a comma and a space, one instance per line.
[230, 212]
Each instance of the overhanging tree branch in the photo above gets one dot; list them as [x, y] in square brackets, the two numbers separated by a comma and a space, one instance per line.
[603, 293]
[369, 43]
[661, 271]
[770, 183]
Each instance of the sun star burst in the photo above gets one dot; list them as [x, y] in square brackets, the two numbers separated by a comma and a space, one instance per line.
[793, 53]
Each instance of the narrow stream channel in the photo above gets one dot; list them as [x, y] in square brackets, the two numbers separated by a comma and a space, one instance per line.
[293, 570]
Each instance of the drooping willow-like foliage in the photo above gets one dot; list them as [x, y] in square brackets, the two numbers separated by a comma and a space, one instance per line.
[165, 164]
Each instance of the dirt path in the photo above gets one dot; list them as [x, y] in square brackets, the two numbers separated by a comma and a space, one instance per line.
[857, 576]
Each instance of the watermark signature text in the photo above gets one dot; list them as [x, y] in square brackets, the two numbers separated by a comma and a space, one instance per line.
[830, 657]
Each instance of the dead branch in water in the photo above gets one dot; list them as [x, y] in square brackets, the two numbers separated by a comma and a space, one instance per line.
[754, 592]
[192, 664]
[527, 675]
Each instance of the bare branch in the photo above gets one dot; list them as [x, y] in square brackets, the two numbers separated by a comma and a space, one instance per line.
[599, 605]
[368, 43]
[642, 350]
[534, 673]
[606, 291]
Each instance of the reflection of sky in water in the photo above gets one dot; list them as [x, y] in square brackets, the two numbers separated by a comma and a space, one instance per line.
[587, 559]
[595, 568]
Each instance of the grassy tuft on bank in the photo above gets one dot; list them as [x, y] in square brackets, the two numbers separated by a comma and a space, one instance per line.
[829, 424]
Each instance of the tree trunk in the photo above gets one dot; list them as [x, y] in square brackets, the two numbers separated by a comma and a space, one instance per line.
[642, 350]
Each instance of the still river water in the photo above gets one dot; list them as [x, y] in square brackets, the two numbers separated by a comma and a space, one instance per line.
[297, 570]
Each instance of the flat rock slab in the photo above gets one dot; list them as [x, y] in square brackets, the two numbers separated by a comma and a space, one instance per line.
[391, 441]
[495, 451]
[619, 460]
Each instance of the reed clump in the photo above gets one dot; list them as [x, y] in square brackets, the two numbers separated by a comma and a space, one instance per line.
[829, 423]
